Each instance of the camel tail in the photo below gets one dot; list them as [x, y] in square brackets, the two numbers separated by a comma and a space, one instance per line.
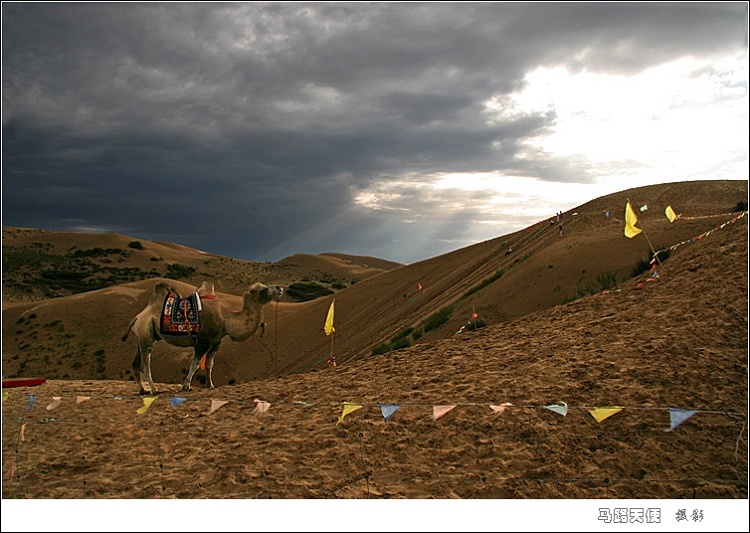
[130, 327]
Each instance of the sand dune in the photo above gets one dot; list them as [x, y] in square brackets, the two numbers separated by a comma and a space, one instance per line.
[647, 352]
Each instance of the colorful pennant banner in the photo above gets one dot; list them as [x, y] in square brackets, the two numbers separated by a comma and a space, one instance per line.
[177, 400]
[678, 416]
[349, 408]
[216, 404]
[602, 413]
[388, 410]
[146, 404]
[54, 403]
[261, 407]
[441, 410]
[559, 409]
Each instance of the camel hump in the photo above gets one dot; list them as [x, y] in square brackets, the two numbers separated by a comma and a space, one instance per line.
[161, 289]
[206, 289]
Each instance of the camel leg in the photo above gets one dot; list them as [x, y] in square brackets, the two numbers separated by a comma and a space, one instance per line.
[193, 367]
[210, 365]
[146, 349]
[137, 370]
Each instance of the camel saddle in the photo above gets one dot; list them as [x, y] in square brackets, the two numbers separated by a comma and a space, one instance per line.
[180, 317]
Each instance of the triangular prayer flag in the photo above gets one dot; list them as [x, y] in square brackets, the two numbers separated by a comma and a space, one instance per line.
[32, 400]
[261, 407]
[215, 404]
[559, 409]
[5, 395]
[54, 403]
[349, 407]
[203, 362]
[23, 430]
[10, 470]
[678, 416]
[602, 413]
[329, 321]
[419, 286]
[177, 400]
[81, 399]
[388, 410]
[670, 213]
[441, 410]
[499, 409]
[644, 208]
[630, 220]
[146, 404]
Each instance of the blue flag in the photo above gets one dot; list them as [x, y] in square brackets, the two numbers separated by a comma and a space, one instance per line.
[177, 400]
[388, 410]
[678, 416]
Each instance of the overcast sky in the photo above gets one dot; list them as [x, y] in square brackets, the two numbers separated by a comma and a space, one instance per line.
[397, 130]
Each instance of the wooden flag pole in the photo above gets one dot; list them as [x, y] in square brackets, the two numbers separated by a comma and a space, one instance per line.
[648, 240]
[276, 336]
[332, 334]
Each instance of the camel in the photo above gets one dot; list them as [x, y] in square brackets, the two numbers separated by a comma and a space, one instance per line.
[216, 322]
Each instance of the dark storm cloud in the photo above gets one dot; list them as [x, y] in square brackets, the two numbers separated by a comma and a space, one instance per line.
[262, 122]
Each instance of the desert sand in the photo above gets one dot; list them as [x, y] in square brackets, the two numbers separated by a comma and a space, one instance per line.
[638, 392]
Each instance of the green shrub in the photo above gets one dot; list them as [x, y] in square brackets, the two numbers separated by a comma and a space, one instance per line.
[400, 343]
[136, 245]
[607, 279]
[478, 323]
[741, 206]
[177, 271]
[586, 287]
[494, 277]
[438, 319]
[382, 349]
[645, 264]
[416, 334]
[308, 290]
[402, 334]
[640, 266]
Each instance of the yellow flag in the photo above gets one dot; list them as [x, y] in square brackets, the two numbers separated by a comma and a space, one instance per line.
[146, 404]
[329, 320]
[630, 220]
[670, 213]
[349, 407]
[602, 413]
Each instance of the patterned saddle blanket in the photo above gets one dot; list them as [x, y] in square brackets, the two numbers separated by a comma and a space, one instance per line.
[181, 316]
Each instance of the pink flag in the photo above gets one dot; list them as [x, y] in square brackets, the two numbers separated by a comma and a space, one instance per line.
[10, 470]
[441, 410]
[54, 403]
[215, 404]
[261, 407]
[82, 399]
[499, 409]
[23, 429]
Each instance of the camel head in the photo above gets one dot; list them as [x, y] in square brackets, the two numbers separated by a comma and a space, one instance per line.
[264, 293]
